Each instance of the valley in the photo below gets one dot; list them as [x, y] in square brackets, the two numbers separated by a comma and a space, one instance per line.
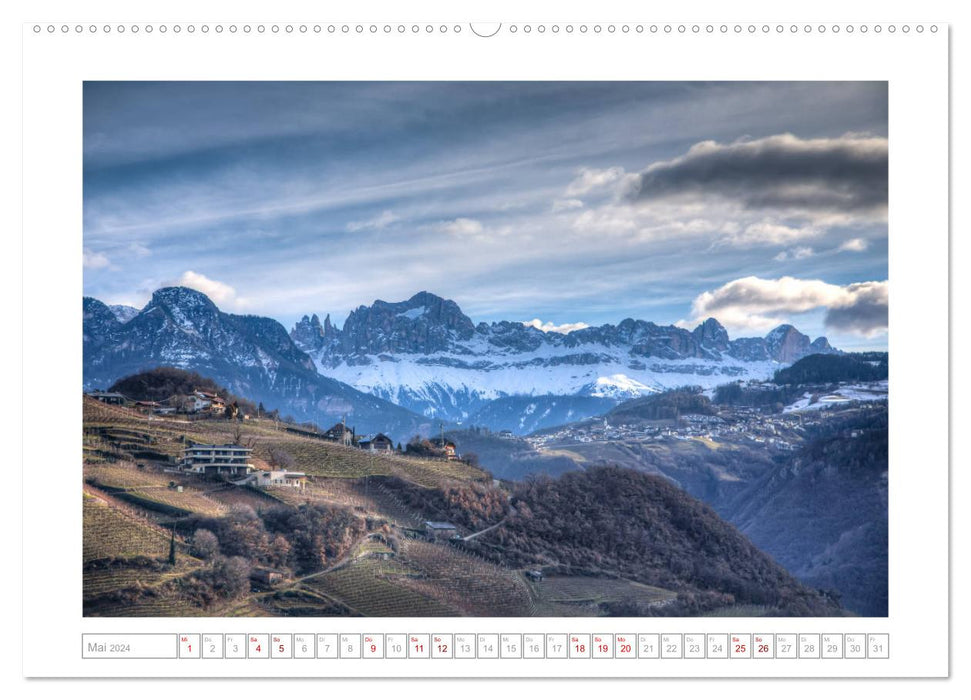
[807, 483]
[353, 540]
[781, 437]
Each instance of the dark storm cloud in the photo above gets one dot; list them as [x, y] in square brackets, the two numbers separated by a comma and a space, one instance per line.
[827, 176]
[865, 315]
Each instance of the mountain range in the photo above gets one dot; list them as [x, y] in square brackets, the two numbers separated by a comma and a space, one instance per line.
[402, 368]
[426, 355]
[252, 356]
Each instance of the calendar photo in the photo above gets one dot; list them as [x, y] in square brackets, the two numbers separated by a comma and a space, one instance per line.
[485, 349]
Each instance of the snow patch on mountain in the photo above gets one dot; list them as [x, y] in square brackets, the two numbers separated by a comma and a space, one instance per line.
[866, 391]
[412, 314]
[620, 386]
[123, 313]
[453, 386]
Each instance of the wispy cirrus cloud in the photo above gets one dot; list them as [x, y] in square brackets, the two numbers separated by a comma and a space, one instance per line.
[139, 250]
[566, 205]
[772, 233]
[795, 254]
[462, 226]
[591, 179]
[382, 220]
[93, 260]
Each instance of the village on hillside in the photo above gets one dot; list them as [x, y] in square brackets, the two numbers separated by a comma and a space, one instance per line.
[783, 429]
[202, 405]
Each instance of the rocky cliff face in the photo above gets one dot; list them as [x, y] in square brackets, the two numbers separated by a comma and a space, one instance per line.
[712, 335]
[308, 333]
[422, 325]
[424, 353]
[427, 325]
[786, 344]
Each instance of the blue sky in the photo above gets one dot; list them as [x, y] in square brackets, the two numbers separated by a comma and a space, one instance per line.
[569, 203]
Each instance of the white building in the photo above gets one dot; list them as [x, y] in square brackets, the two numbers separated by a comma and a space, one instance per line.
[294, 480]
[218, 460]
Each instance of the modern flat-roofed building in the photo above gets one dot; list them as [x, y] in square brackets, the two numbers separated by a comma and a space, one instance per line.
[218, 460]
[294, 480]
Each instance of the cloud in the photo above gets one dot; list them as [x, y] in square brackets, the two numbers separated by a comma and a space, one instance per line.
[566, 204]
[795, 254]
[606, 220]
[139, 250]
[590, 179]
[768, 232]
[462, 227]
[855, 245]
[382, 220]
[823, 177]
[866, 315]
[550, 327]
[94, 261]
[221, 293]
[759, 304]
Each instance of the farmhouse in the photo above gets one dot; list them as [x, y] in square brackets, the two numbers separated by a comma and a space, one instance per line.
[377, 443]
[340, 433]
[206, 401]
[213, 461]
[266, 577]
[109, 397]
[447, 446]
[189, 404]
[436, 530]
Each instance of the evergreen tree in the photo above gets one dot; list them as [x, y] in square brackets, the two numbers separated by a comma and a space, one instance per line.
[172, 547]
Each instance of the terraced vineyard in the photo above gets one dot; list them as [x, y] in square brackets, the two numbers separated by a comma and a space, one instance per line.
[109, 532]
[100, 582]
[232, 495]
[394, 508]
[150, 490]
[373, 587]
[170, 501]
[169, 605]
[565, 596]
[301, 603]
[475, 586]
[351, 493]
[125, 475]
